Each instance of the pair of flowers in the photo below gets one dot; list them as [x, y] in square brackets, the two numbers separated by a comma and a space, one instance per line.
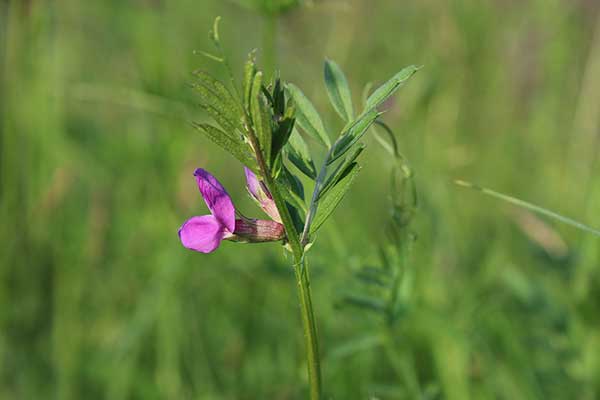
[205, 233]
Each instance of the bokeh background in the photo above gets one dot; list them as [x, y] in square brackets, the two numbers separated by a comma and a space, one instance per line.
[99, 300]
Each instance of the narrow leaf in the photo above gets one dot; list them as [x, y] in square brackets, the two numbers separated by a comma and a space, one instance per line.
[281, 136]
[383, 92]
[249, 72]
[307, 116]
[298, 154]
[224, 122]
[216, 94]
[236, 147]
[365, 302]
[261, 118]
[371, 279]
[340, 171]
[352, 135]
[338, 90]
[329, 202]
[292, 191]
[355, 346]
[278, 98]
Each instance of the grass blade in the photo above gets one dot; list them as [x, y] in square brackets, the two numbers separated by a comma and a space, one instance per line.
[530, 207]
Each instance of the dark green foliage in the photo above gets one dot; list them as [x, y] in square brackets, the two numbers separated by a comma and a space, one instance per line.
[330, 201]
[283, 119]
[298, 154]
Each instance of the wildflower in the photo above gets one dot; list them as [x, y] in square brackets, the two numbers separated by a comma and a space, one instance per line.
[205, 233]
[261, 195]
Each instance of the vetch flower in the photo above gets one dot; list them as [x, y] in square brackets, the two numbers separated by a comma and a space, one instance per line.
[205, 233]
[261, 195]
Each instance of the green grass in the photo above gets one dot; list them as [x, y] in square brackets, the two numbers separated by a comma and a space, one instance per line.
[100, 300]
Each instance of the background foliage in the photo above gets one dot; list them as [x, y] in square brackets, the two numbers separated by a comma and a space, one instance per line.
[99, 299]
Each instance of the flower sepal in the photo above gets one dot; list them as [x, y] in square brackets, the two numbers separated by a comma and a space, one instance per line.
[250, 230]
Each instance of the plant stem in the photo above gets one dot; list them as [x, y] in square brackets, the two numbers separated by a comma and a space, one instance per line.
[304, 293]
[310, 329]
[301, 271]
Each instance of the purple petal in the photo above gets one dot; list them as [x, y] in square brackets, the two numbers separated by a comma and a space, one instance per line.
[216, 198]
[262, 195]
[203, 234]
[252, 183]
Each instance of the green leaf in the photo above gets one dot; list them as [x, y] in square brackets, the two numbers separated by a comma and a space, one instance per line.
[233, 145]
[338, 90]
[340, 170]
[329, 202]
[371, 279]
[307, 116]
[298, 154]
[249, 72]
[261, 118]
[278, 98]
[281, 135]
[365, 302]
[224, 122]
[215, 94]
[383, 92]
[352, 135]
[292, 190]
[355, 346]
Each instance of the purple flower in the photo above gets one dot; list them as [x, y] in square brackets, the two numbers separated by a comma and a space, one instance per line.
[205, 233]
[261, 195]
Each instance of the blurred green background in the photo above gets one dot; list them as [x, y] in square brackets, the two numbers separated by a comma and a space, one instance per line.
[100, 300]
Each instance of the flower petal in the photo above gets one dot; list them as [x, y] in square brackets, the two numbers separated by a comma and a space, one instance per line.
[262, 195]
[203, 234]
[216, 198]
[252, 182]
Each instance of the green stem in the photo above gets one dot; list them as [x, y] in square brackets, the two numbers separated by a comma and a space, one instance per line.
[310, 330]
[302, 275]
[304, 293]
